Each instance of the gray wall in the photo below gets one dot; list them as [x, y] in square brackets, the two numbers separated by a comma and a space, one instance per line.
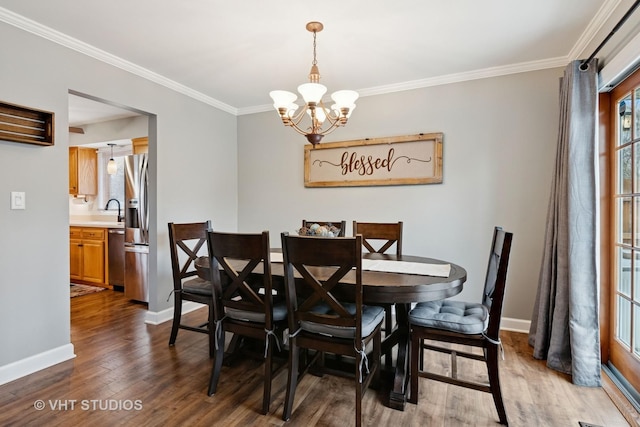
[499, 150]
[191, 154]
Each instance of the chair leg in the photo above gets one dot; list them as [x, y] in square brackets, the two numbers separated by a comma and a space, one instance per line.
[268, 372]
[292, 379]
[359, 375]
[494, 382]
[212, 332]
[217, 363]
[388, 329]
[377, 359]
[416, 353]
[177, 314]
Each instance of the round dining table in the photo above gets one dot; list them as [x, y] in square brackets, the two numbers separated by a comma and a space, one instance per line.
[401, 289]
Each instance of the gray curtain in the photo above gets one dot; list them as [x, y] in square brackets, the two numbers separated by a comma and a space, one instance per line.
[564, 327]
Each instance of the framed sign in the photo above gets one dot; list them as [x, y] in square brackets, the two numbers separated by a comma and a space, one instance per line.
[400, 160]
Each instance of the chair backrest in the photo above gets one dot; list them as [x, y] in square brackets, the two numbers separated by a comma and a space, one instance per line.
[385, 233]
[342, 256]
[248, 288]
[496, 279]
[342, 225]
[185, 241]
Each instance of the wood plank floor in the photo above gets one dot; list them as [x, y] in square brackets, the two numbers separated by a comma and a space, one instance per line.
[126, 374]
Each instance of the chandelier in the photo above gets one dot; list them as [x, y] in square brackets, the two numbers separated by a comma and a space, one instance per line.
[312, 93]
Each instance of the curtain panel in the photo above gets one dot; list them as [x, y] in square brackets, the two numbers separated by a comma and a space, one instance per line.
[565, 326]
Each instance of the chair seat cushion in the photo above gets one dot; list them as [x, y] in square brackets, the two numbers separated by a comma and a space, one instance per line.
[279, 313]
[197, 286]
[372, 316]
[456, 316]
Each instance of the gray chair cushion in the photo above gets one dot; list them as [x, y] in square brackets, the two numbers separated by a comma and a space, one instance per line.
[372, 316]
[456, 316]
[197, 286]
[279, 313]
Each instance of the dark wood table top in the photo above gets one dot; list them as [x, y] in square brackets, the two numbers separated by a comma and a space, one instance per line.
[381, 287]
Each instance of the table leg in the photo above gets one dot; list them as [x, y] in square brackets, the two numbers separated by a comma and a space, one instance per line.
[398, 396]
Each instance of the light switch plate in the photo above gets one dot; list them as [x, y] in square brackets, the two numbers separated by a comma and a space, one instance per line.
[18, 200]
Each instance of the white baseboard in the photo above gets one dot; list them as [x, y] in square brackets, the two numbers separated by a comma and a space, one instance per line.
[35, 363]
[515, 325]
[158, 317]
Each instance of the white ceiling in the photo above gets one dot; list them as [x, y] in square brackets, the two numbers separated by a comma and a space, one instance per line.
[232, 53]
[84, 111]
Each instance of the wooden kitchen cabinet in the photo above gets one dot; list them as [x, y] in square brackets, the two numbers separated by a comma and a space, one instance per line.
[88, 255]
[140, 145]
[83, 171]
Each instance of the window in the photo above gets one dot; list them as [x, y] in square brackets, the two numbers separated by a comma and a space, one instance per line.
[624, 291]
[111, 186]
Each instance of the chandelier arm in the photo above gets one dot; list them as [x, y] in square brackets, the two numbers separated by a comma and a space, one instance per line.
[298, 116]
[297, 129]
[334, 125]
[329, 114]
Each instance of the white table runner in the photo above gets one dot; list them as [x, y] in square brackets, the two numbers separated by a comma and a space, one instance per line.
[388, 266]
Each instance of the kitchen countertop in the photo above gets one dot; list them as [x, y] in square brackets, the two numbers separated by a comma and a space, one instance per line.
[98, 224]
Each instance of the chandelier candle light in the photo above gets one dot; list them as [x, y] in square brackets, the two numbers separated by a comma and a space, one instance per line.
[312, 93]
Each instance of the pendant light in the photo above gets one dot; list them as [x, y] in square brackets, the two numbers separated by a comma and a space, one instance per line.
[312, 93]
[112, 167]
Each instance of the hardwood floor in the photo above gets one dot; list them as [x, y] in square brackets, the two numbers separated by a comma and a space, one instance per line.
[126, 374]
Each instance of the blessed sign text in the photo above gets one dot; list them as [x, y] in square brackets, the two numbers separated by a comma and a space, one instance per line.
[411, 159]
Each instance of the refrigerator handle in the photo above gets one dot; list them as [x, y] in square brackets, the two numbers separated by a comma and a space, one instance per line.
[143, 211]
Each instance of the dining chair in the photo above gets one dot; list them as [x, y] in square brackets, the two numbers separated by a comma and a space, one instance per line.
[319, 320]
[245, 303]
[467, 324]
[342, 225]
[186, 240]
[379, 237]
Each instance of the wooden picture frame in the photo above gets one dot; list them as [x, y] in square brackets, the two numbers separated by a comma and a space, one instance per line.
[399, 160]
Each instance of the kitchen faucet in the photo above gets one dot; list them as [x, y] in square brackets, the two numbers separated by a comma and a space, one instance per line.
[120, 218]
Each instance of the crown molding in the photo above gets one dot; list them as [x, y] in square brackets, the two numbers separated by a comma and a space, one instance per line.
[595, 25]
[45, 32]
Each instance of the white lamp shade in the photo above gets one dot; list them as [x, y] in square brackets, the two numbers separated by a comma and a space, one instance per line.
[320, 115]
[112, 167]
[312, 92]
[282, 98]
[292, 110]
[345, 98]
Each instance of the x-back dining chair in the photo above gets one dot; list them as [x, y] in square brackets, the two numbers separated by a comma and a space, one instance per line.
[186, 241]
[380, 237]
[245, 302]
[380, 234]
[342, 225]
[467, 324]
[319, 320]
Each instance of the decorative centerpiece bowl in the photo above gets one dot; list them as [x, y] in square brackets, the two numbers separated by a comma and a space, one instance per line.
[328, 230]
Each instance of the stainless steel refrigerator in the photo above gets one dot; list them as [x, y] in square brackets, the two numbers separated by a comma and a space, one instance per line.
[136, 228]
